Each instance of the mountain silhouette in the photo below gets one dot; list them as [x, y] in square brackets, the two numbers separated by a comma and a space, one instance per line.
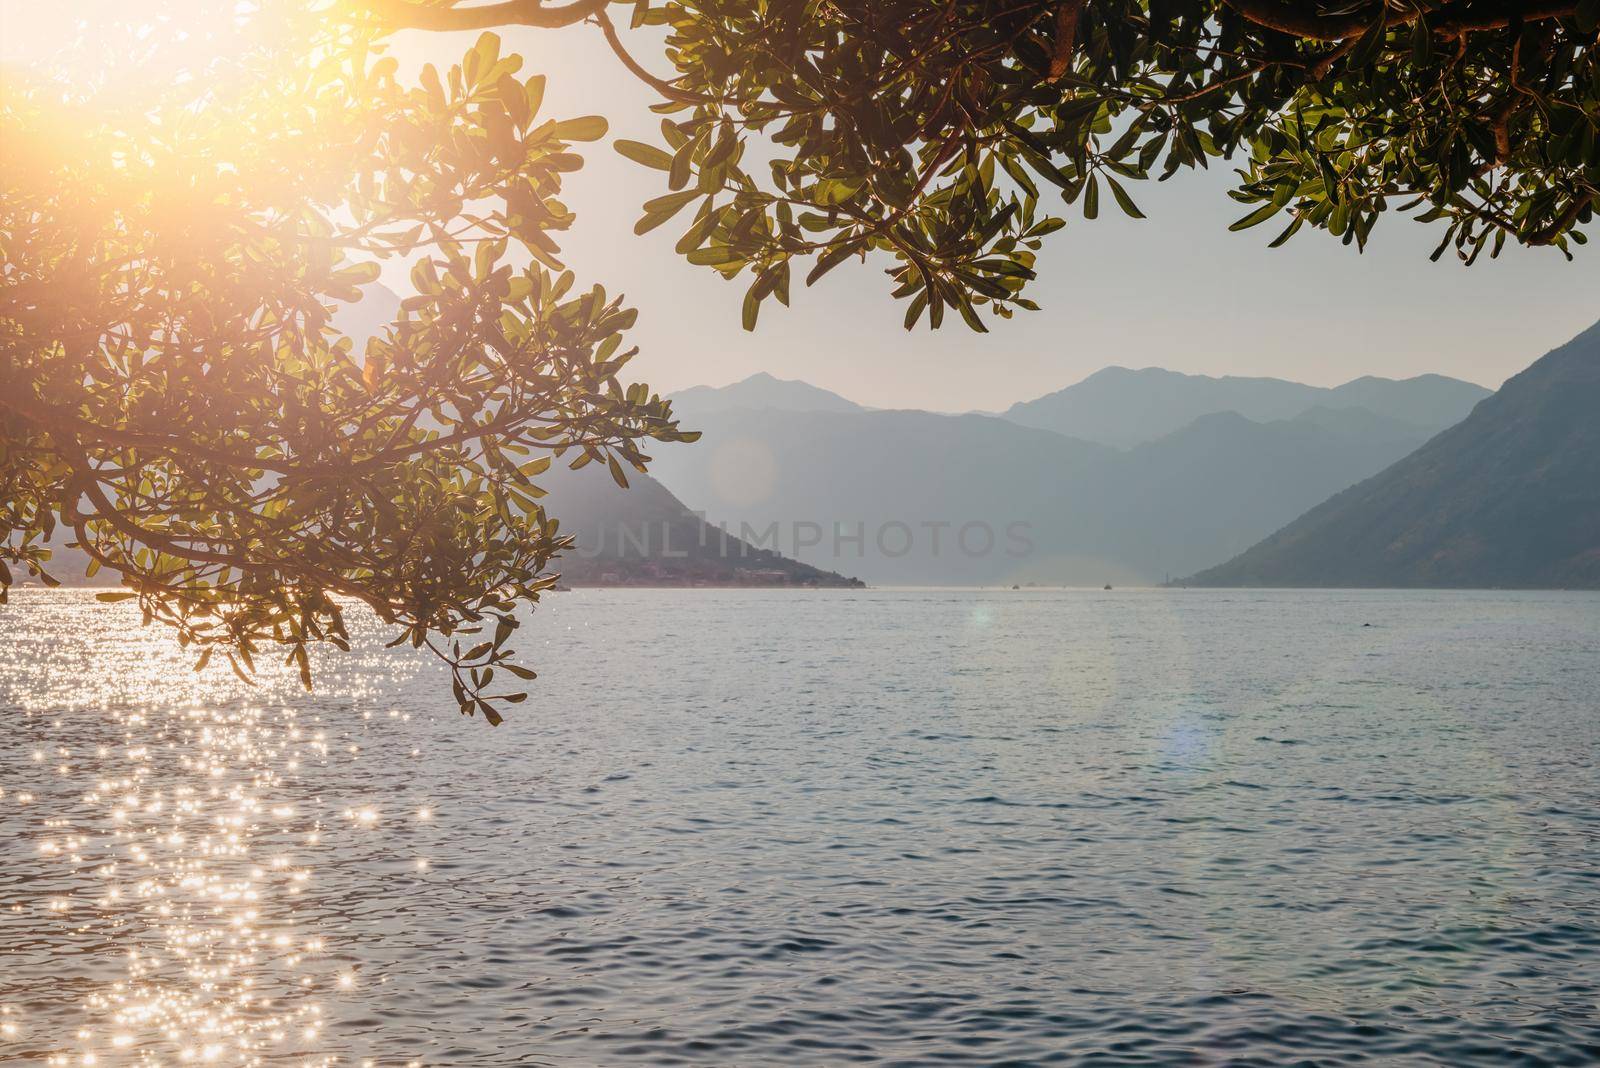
[887, 494]
[756, 392]
[642, 535]
[1119, 406]
[1508, 497]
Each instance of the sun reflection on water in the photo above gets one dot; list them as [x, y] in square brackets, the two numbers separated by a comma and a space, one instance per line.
[164, 875]
[182, 869]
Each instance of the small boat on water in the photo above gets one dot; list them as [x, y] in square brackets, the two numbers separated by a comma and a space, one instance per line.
[1108, 585]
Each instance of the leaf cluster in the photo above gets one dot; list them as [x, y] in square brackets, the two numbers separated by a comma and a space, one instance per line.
[952, 136]
[178, 398]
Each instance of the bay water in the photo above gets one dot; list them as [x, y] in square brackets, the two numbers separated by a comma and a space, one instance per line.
[897, 827]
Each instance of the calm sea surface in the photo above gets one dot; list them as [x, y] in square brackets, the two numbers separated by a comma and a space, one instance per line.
[881, 827]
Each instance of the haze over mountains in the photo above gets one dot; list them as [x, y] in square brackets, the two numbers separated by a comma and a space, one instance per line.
[922, 498]
[1120, 406]
[1134, 476]
[760, 391]
[1508, 497]
[1130, 476]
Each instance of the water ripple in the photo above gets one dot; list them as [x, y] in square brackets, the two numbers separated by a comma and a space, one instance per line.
[741, 828]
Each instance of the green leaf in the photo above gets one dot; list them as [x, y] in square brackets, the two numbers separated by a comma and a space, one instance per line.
[1260, 215]
[1367, 47]
[617, 474]
[534, 89]
[970, 314]
[587, 128]
[914, 311]
[1421, 42]
[355, 274]
[697, 233]
[750, 309]
[830, 259]
[486, 52]
[1124, 201]
[649, 155]
[682, 164]
[1288, 232]
[300, 658]
[715, 256]
[661, 209]
[721, 150]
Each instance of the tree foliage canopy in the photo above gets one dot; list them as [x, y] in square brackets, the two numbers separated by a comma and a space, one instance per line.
[176, 393]
[940, 132]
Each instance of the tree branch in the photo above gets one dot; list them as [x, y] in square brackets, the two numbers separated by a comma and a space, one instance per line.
[403, 14]
[1305, 20]
[84, 481]
[1066, 37]
[1563, 222]
[665, 88]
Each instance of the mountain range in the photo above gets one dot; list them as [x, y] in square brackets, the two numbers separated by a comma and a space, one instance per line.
[1508, 497]
[887, 494]
[1121, 406]
[1129, 476]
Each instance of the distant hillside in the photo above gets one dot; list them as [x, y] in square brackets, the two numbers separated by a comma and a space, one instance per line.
[644, 536]
[1509, 497]
[1432, 402]
[756, 392]
[1214, 486]
[886, 495]
[1118, 406]
[898, 479]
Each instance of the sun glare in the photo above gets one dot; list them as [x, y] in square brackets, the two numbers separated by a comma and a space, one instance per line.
[95, 44]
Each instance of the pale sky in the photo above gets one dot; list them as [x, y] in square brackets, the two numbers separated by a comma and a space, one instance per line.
[1176, 290]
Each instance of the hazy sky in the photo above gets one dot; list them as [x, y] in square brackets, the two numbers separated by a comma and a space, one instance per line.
[1176, 290]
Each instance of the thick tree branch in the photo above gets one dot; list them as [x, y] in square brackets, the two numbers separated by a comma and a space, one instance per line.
[1066, 40]
[1321, 68]
[403, 14]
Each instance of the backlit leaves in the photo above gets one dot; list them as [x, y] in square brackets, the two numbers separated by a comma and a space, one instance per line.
[177, 390]
[934, 135]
